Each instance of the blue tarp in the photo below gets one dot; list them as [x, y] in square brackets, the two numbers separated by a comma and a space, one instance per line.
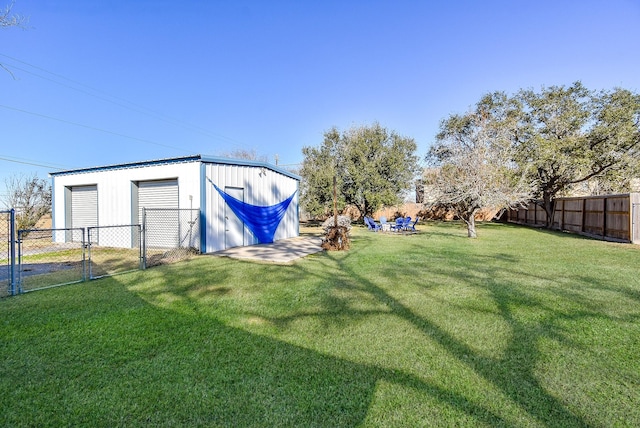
[262, 221]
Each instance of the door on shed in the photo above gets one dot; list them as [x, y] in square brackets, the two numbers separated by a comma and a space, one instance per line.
[233, 226]
[160, 201]
[83, 210]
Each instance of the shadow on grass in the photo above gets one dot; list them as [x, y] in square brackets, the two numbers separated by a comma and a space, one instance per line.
[169, 362]
[512, 373]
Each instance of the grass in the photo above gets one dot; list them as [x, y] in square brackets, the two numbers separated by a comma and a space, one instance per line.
[517, 328]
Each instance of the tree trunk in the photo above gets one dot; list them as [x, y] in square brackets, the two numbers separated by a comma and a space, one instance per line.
[470, 220]
[471, 227]
[547, 205]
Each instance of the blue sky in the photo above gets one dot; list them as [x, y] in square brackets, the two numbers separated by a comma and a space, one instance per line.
[104, 82]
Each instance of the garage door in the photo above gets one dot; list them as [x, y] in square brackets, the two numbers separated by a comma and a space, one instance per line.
[84, 206]
[160, 199]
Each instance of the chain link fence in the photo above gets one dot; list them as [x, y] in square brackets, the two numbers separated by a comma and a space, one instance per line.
[50, 257]
[114, 249]
[36, 259]
[170, 235]
[7, 253]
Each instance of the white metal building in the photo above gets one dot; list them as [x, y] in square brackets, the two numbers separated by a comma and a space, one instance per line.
[116, 194]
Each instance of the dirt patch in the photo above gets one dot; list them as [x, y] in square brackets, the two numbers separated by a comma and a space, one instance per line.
[32, 269]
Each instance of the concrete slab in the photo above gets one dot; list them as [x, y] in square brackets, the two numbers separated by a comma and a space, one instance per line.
[283, 251]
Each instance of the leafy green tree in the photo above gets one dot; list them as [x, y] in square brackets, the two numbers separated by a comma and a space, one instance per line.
[373, 167]
[472, 162]
[567, 136]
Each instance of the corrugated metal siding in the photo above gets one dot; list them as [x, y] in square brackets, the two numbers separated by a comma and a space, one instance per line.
[117, 205]
[262, 187]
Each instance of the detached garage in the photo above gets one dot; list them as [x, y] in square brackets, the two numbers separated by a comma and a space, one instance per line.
[237, 202]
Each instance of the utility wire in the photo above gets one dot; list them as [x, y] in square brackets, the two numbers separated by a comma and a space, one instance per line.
[131, 106]
[29, 162]
[96, 129]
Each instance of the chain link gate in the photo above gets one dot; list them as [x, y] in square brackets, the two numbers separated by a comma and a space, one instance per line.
[50, 258]
[114, 250]
[36, 259]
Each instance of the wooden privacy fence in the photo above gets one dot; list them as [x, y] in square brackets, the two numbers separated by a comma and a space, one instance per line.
[609, 217]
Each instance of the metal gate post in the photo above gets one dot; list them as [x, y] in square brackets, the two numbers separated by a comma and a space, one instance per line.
[143, 234]
[12, 256]
[19, 281]
[88, 246]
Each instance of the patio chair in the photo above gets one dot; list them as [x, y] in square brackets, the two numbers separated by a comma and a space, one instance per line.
[405, 224]
[398, 226]
[384, 225]
[413, 225]
[371, 224]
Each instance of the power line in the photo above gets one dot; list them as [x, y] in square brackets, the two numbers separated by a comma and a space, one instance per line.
[131, 106]
[94, 128]
[30, 162]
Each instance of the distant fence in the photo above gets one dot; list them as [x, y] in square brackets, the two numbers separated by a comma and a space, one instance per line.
[610, 217]
[531, 215]
[34, 259]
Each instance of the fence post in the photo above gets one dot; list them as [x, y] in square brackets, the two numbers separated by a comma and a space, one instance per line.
[12, 250]
[143, 235]
[604, 219]
[88, 229]
[19, 281]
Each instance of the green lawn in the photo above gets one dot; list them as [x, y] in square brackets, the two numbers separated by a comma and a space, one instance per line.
[520, 327]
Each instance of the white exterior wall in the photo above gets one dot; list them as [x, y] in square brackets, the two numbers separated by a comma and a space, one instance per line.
[114, 186]
[262, 186]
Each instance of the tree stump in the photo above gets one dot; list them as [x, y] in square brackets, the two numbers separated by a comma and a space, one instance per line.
[336, 239]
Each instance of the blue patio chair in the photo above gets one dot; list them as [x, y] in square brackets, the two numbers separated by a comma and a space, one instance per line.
[371, 224]
[413, 225]
[405, 224]
[398, 226]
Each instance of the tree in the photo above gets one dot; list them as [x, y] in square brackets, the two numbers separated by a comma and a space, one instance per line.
[372, 165]
[30, 196]
[472, 162]
[251, 155]
[7, 19]
[567, 136]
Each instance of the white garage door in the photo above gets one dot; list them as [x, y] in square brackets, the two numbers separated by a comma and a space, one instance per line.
[84, 206]
[160, 199]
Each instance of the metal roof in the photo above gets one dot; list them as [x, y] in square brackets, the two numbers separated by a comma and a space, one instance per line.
[184, 159]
